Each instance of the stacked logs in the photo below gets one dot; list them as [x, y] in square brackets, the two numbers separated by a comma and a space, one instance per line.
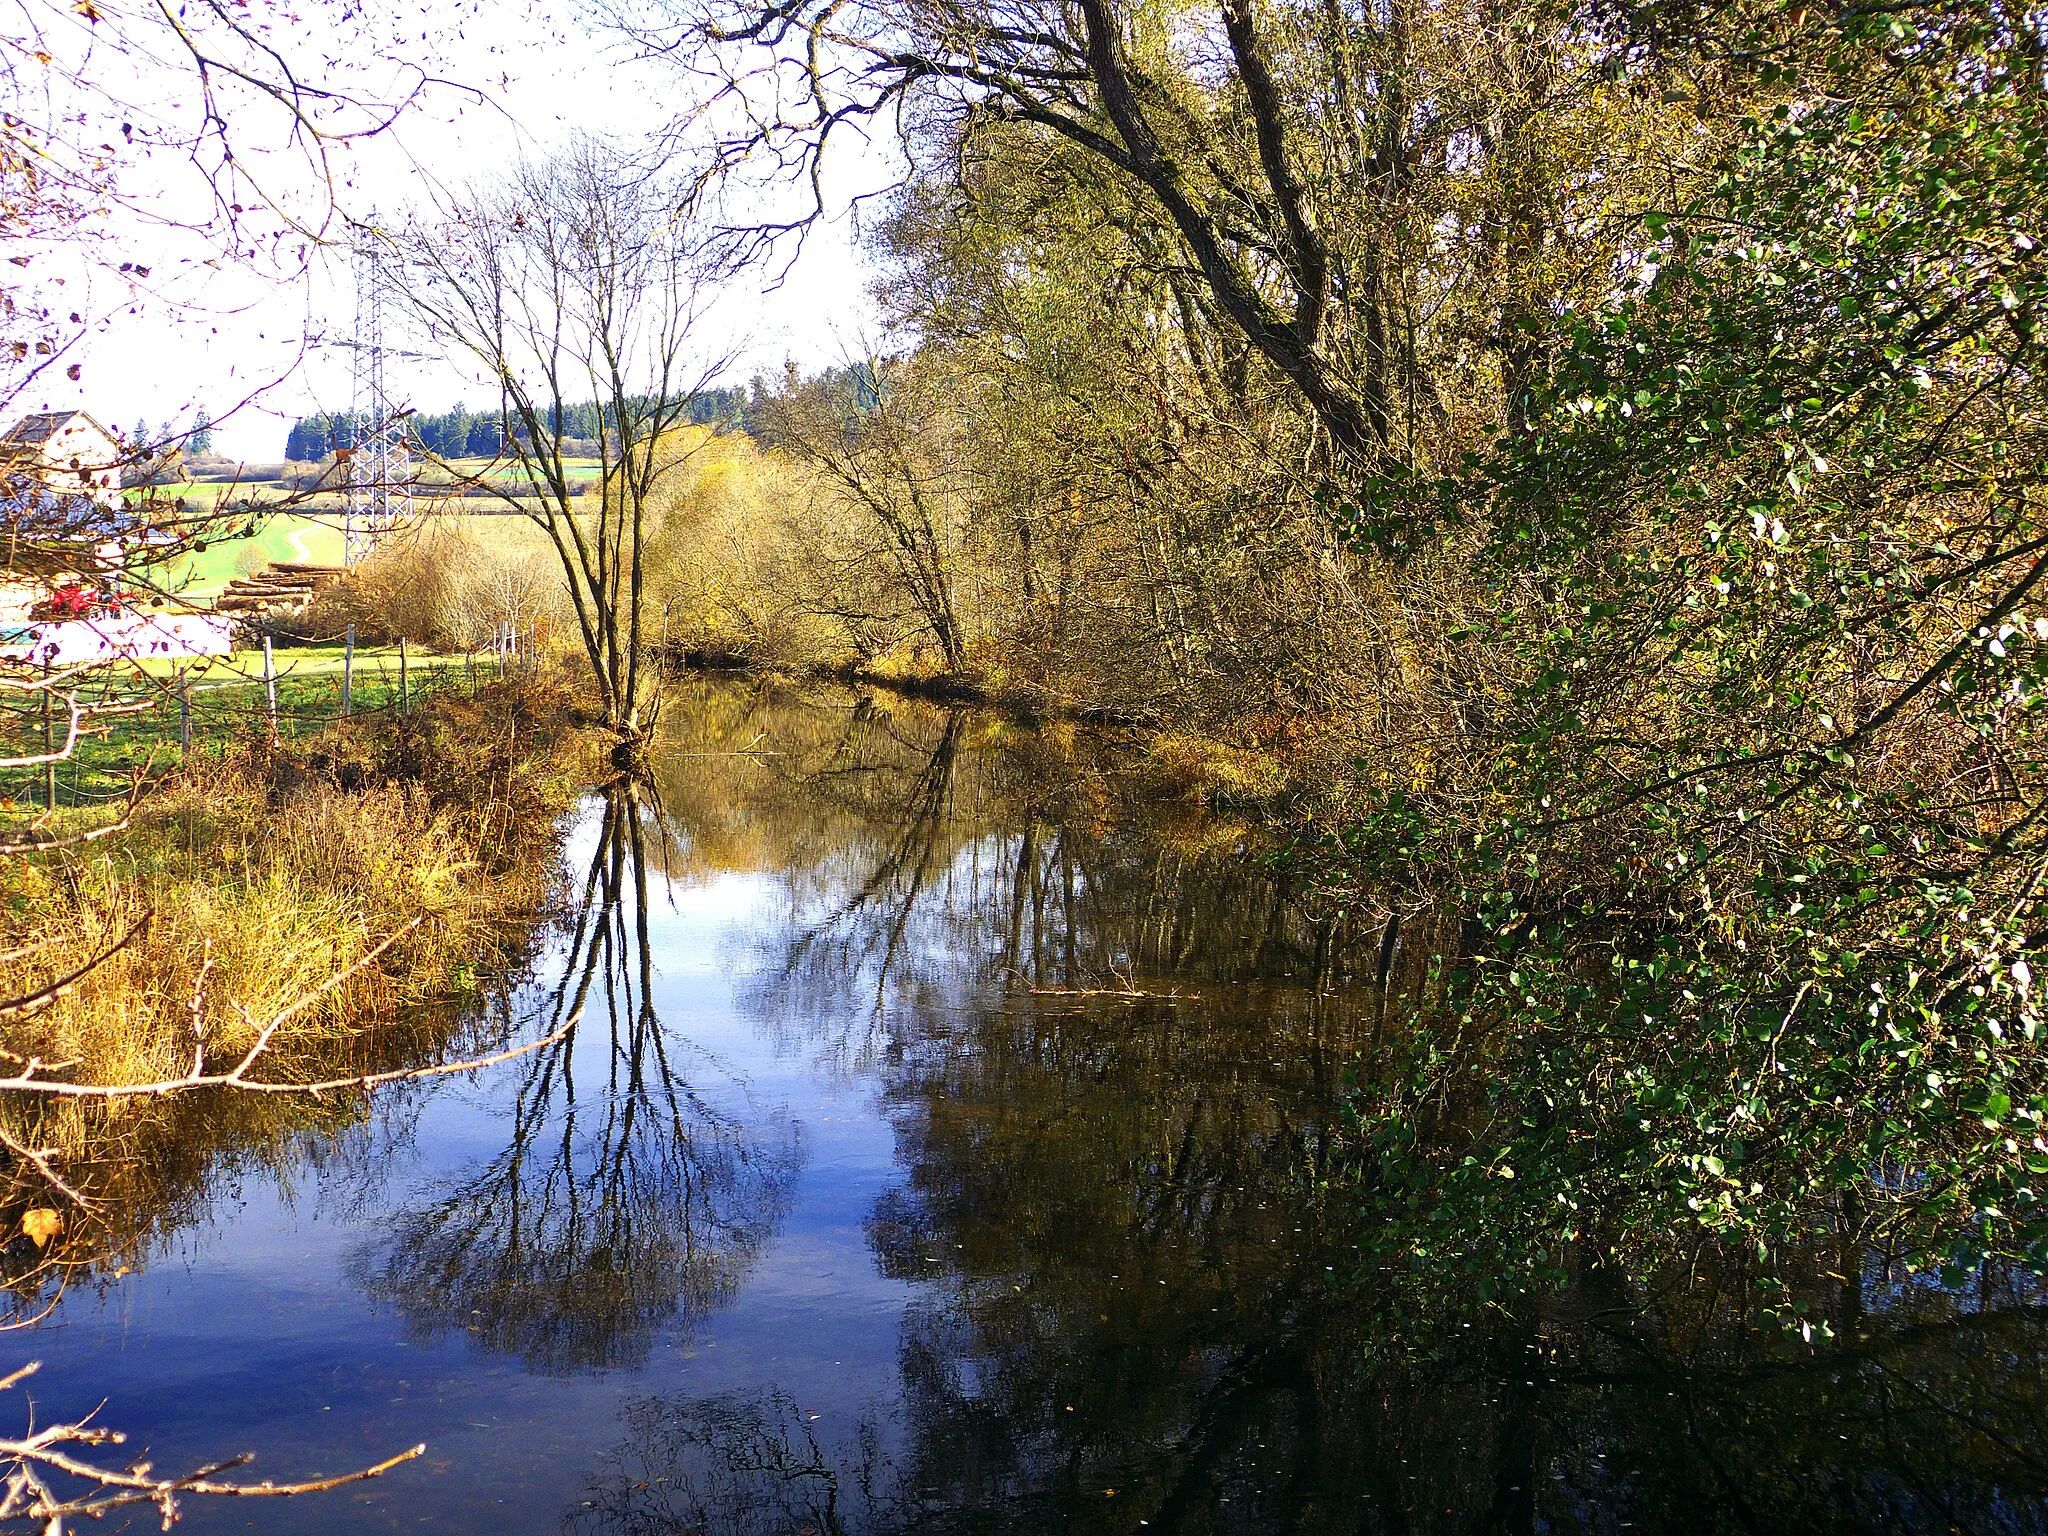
[288, 585]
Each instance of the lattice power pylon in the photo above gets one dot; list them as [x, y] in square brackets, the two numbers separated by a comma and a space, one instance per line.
[380, 462]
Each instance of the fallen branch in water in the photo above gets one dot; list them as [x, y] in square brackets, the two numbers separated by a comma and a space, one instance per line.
[1125, 990]
[39, 1460]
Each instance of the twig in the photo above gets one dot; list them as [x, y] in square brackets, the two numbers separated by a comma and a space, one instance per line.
[36, 844]
[1797, 998]
[36, 1001]
[27, 1082]
[45, 844]
[27, 1496]
[19, 1323]
[325, 987]
[407, 1074]
[41, 1162]
[198, 1004]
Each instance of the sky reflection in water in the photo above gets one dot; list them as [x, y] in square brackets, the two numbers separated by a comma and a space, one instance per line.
[842, 1212]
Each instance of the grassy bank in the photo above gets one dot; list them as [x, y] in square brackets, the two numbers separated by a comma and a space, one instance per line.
[246, 882]
[285, 861]
[221, 700]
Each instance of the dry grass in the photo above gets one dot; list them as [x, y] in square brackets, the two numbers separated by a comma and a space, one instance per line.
[267, 870]
[275, 866]
[1200, 768]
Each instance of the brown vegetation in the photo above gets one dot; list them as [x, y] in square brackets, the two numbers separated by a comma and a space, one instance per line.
[451, 582]
[245, 887]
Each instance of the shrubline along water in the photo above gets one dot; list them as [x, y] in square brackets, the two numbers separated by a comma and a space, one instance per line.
[944, 1147]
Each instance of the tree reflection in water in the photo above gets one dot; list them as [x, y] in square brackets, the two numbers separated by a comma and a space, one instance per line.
[1105, 1309]
[1137, 1297]
[615, 1207]
[737, 1464]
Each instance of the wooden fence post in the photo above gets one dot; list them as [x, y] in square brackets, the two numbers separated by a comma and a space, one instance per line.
[49, 744]
[348, 672]
[185, 708]
[270, 685]
[404, 690]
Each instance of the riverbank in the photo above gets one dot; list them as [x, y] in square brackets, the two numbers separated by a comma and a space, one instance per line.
[1261, 771]
[1718, 1066]
[274, 865]
[411, 856]
[933, 1094]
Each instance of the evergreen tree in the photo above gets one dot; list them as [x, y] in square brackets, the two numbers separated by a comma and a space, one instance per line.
[462, 433]
[200, 439]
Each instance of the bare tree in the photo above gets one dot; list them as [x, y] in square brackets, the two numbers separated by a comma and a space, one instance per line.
[1286, 154]
[885, 453]
[571, 282]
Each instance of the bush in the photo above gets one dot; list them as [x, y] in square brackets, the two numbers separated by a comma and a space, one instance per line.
[443, 584]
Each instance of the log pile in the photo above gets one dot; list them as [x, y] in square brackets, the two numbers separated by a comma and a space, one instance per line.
[286, 586]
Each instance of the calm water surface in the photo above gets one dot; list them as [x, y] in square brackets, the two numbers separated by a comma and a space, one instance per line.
[862, 1200]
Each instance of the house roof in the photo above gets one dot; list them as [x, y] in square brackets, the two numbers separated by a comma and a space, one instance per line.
[34, 430]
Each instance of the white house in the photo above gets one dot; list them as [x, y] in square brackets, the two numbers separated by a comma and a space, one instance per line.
[65, 452]
[64, 530]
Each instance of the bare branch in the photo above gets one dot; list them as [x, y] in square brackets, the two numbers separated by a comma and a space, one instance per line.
[35, 1002]
[40, 1461]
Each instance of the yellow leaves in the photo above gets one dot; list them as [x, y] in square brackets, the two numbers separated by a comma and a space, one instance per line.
[42, 1224]
[86, 9]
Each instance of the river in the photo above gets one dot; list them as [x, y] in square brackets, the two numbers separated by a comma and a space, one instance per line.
[949, 1143]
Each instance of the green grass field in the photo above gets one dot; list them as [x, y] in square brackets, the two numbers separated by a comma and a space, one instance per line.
[283, 537]
[225, 696]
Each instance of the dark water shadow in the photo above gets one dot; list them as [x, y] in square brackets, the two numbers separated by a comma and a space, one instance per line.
[1117, 1056]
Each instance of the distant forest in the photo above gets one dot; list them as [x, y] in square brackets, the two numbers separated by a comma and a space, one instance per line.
[463, 433]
